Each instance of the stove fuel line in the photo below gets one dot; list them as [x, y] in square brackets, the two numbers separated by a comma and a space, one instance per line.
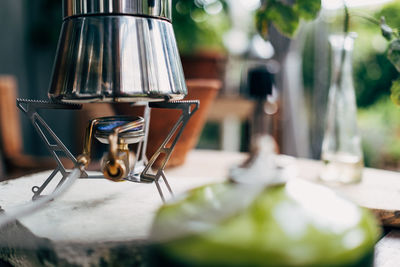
[29, 208]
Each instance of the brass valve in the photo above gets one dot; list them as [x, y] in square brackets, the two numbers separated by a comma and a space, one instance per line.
[115, 171]
[83, 160]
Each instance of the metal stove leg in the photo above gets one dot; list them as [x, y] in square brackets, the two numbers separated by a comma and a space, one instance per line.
[140, 153]
[147, 118]
[160, 190]
[142, 146]
[166, 183]
[52, 142]
[36, 190]
[188, 108]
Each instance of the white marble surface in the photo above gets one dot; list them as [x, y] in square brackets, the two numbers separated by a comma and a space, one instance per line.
[96, 210]
[100, 210]
[387, 251]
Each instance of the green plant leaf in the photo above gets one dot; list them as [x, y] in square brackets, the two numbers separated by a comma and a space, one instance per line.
[262, 24]
[395, 92]
[387, 32]
[394, 53]
[308, 9]
[284, 17]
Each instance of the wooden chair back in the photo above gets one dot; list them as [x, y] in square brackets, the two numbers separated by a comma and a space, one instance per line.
[10, 124]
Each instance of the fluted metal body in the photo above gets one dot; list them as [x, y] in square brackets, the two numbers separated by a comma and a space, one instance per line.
[122, 55]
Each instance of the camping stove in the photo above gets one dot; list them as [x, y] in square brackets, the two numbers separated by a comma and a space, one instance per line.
[119, 164]
[115, 51]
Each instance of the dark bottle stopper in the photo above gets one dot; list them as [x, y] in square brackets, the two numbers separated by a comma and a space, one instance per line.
[259, 83]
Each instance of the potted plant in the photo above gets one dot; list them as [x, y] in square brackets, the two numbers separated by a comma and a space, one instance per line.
[199, 27]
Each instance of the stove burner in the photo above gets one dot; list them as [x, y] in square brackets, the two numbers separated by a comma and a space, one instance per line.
[118, 132]
[107, 125]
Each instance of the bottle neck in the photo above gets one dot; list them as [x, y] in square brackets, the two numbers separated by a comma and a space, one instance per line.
[342, 48]
[342, 66]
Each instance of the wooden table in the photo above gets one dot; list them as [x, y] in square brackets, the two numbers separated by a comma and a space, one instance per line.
[100, 213]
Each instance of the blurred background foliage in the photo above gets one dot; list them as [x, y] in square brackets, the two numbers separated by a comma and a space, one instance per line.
[380, 129]
[200, 24]
[379, 117]
[373, 72]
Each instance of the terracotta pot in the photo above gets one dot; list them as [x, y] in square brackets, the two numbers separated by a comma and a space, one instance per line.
[162, 120]
[204, 65]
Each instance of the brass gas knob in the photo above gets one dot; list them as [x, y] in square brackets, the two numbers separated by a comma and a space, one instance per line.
[115, 171]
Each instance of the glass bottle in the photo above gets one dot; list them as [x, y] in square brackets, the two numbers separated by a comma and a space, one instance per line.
[341, 146]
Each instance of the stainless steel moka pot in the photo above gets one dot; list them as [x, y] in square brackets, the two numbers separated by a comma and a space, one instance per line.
[117, 51]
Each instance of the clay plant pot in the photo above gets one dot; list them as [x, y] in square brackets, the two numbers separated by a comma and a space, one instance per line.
[204, 65]
[162, 120]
